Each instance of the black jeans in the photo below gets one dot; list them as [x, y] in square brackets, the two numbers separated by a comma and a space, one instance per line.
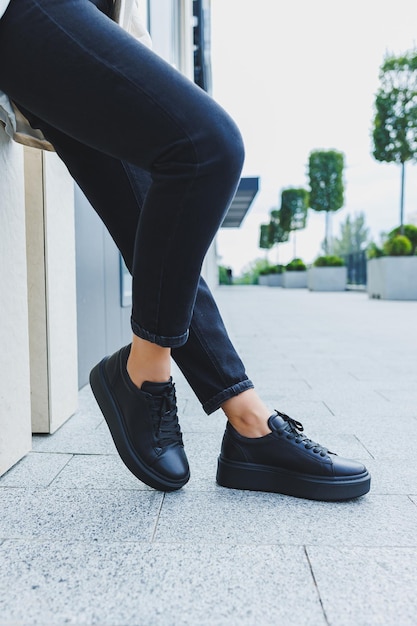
[158, 159]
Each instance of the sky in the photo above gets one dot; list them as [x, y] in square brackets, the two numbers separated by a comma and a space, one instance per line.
[298, 76]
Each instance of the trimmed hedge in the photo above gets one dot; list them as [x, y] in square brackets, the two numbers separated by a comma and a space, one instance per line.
[329, 261]
[296, 265]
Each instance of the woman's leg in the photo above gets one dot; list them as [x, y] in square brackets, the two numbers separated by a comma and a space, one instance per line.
[211, 364]
[117, 190]
[82, 74]
[68, 75]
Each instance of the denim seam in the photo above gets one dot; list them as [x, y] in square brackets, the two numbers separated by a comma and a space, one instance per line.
[169, 241]
[209, 353]
[174, 229]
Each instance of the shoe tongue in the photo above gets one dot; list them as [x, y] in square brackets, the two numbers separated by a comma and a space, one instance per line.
[156, 389]
[276, 422]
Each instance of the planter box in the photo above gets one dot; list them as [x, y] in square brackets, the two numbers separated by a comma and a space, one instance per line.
[392, 278]
[263, 280]
[327, 278]
[294, 280]
[274, 280]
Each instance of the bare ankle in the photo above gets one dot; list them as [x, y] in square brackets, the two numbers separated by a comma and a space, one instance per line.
[248, 414]
[148, 361]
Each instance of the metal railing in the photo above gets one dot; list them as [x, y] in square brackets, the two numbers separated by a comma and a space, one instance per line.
[356, 267]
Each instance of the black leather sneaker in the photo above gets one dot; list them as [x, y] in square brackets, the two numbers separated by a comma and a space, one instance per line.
[143, 423]
[285, 461]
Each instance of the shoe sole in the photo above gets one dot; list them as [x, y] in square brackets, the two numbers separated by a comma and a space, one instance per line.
[253, 477]
[112, 414]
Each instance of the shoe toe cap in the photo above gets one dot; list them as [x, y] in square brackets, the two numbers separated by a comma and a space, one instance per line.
[173, 464]
[347, 467]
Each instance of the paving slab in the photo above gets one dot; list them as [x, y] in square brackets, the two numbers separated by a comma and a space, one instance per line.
[35, 470]
[105, 471]
[202, 453]
[77, 436]
[135, 584]
[249, 517]
[390, 441]
[89, 515]
[83, 542]
[194, 420]
[366, 586]
[393, 476]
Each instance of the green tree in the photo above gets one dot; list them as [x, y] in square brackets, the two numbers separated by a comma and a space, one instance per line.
[273, 233]
[265, 239]
[225, 275]
[325, 170]
[354, 236]
[279, 229]
[294, 208]
[395, 122]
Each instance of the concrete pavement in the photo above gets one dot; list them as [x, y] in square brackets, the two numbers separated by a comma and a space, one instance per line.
[83, 542]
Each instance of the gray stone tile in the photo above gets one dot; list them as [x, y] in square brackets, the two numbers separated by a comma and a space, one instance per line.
[403, 402]
[248, 517]
[75, 437]
[393, 476]
[278, 370]
[202, 452]
[348, 374]
[35, 470]
[283, 389]
[78, 514]
[344, 399]
[97, 472]
[88, 407]
[308, 412]
[389, 441]
[194, 420]
[364, 586]
[369, 418]
[393, 388]
[52, 583]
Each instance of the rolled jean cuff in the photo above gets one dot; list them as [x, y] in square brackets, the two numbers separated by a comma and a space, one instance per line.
[160, 340]
[214, 403]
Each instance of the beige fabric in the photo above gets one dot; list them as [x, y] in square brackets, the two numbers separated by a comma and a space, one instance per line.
[127, 14]
[27, 135]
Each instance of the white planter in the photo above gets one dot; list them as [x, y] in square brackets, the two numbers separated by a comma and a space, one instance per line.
[263, 280]
[374, 278]
[294, 280]
[274, 280]
[327, 278]
[392, 278]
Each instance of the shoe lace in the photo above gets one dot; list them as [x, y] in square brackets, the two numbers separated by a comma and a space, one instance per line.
[294, 429]
[165, 417]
